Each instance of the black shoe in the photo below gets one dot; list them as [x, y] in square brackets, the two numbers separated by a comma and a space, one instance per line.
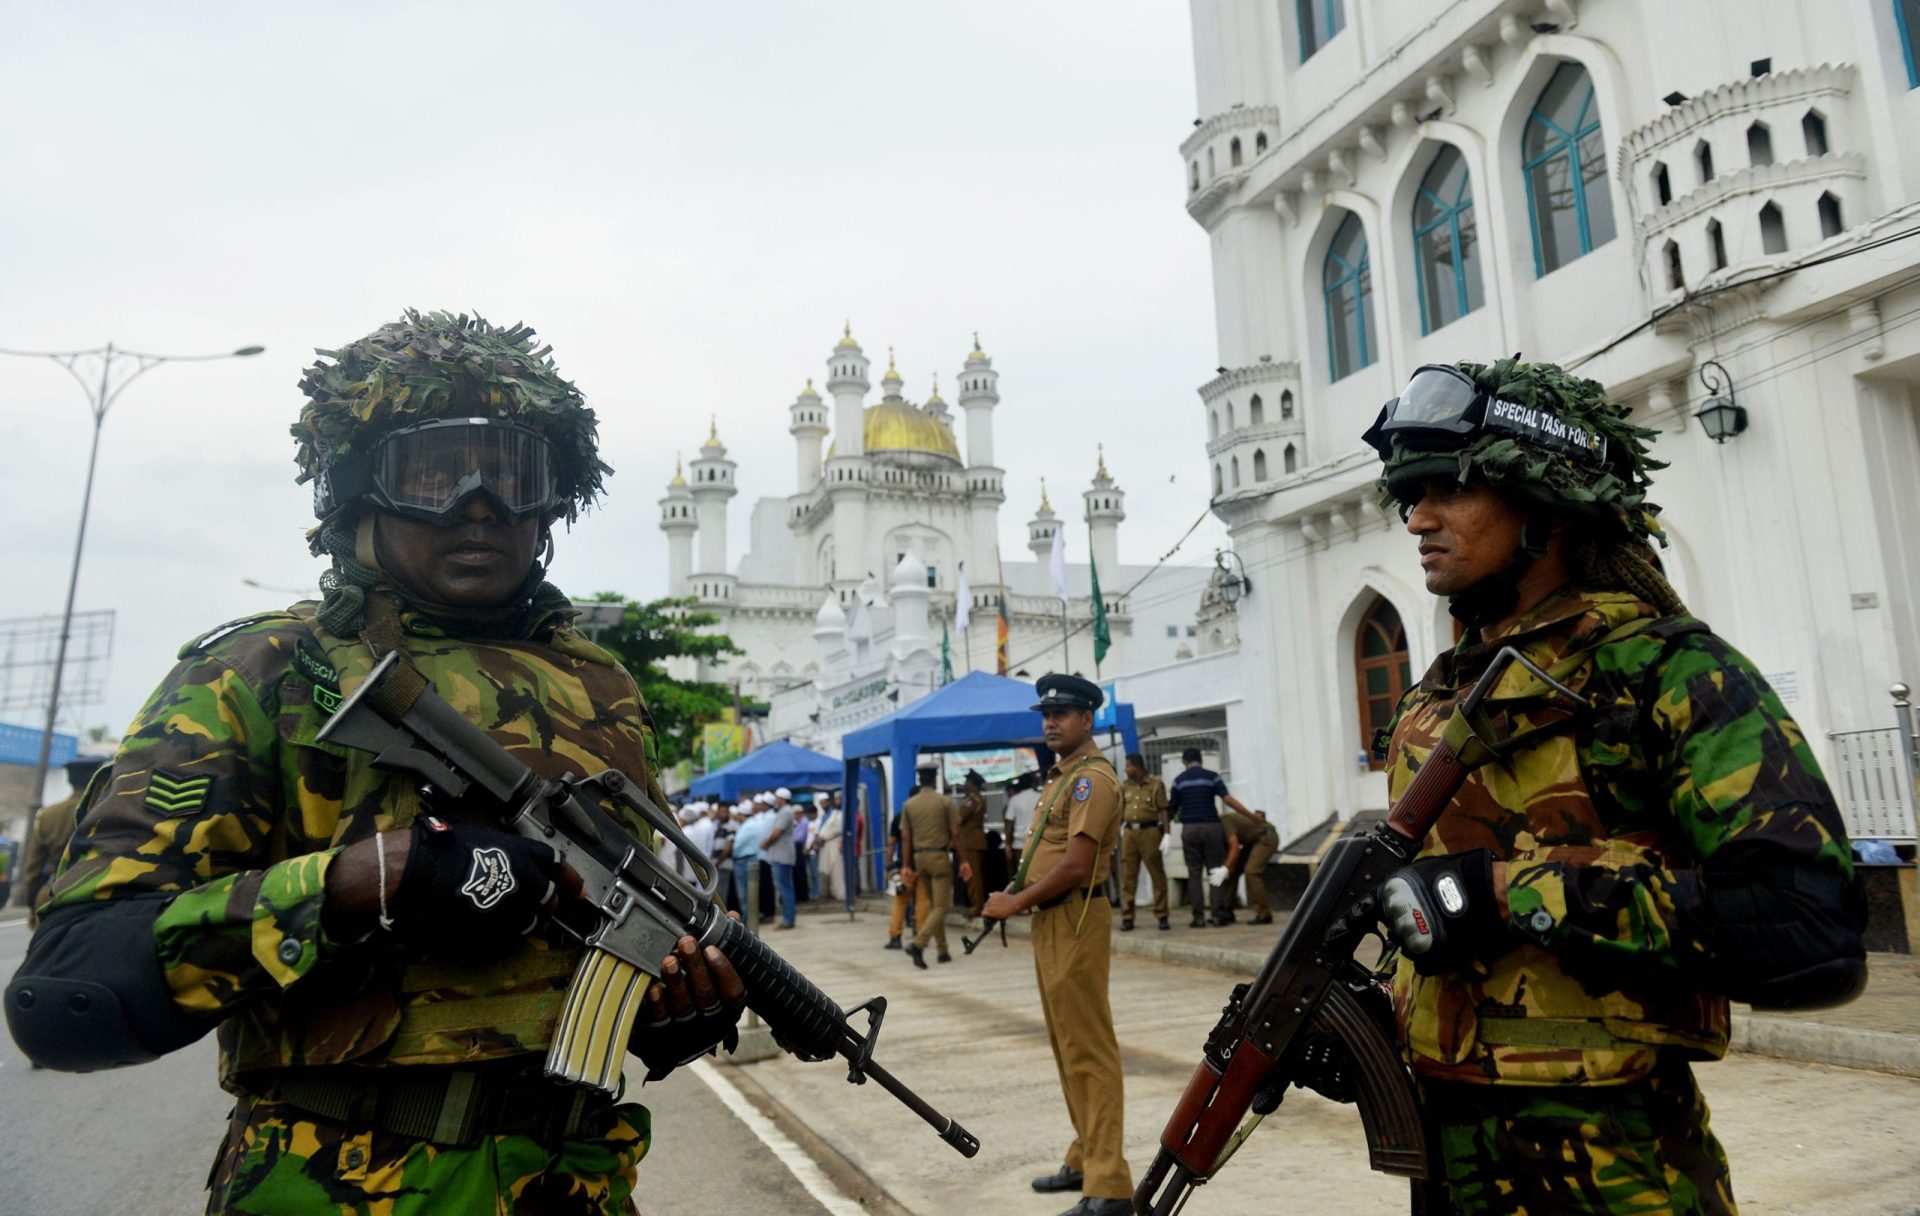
[918, 956]
[1100, 1207]
[1126, 926]
[1066, 1179]
[1164, 926]
[893, 943]
[944, 957]
[1199, 922]
[1221, 922]
[1261, 920]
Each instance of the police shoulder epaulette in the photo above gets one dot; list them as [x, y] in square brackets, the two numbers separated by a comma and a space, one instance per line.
[206, 640]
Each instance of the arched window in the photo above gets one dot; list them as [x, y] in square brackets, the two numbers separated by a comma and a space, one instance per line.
[1193, 179]
[1213, 424]
[1256, 411]
[1289, 460]
[1382, 671]
[1759, 144]
[1216, 479]
[1773, 229]
[1703, 161]
[1445, 242]
[1347, 280]
[1233, 153]
[1234, 464]
[1676, 274]
[1260, 143]
[1717, 244]
[1259, 464]
[1564, 155]
[1320, 20]
[1830, 224]
[1662, 185]
[1286, 403]
[1813, 129]
[1211, 171]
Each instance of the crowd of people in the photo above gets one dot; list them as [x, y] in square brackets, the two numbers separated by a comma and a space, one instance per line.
[774, 851]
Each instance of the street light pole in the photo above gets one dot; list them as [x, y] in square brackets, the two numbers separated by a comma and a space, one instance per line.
[99, 400]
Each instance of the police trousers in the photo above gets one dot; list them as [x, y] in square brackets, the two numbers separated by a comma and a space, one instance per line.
[1071, 957]
[1141, 846]
[1204, 845]
[933, 871]
[1644, 1148]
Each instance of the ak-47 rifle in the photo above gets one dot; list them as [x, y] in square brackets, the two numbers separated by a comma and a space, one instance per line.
[637, 906]
[1314, 1015]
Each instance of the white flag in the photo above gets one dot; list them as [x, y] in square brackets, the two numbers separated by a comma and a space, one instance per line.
[1058, 563]
[962, 602]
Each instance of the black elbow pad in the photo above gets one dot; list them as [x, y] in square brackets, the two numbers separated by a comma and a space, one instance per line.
[90, 993]
[1787, 935]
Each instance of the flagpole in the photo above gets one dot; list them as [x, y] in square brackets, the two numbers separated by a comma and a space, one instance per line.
[1093, 589]
[966, 635]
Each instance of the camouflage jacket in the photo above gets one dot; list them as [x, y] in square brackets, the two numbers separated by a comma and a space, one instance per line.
[1602, 825]
[222, 796]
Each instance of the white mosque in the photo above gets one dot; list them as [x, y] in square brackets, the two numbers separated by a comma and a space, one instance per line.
[849, 582]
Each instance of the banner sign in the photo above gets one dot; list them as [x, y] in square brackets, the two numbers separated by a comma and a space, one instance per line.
[722, 743]
[994, 765]
[1105, 718]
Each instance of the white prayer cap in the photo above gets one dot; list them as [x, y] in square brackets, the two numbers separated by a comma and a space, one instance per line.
[784, 794]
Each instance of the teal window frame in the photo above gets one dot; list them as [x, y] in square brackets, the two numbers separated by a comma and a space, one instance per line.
[1561, 142]
[1447, 216]
[1338, 273]
[1331, 18]
[1906, 23]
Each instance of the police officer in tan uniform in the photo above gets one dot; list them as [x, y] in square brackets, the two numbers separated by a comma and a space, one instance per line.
[1251, 841]
[52, 828]
[1143, 801]
[929, 826]
[973, 840]
[1067, 856]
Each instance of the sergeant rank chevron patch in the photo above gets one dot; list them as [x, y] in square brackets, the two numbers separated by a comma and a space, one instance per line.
[174, 793]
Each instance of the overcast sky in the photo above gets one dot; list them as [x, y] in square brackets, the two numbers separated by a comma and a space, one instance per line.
[686, 200]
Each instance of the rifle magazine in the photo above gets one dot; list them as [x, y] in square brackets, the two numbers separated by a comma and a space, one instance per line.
[596, 1024]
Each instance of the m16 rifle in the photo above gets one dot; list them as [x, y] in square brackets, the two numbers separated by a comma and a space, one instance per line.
[636, 907]
[1314, 1015]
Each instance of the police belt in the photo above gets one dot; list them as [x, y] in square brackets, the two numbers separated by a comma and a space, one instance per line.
[1056, 901]
[1141, 823]
[455, 1107]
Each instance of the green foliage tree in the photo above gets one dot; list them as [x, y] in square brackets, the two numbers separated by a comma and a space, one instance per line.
[647, 636]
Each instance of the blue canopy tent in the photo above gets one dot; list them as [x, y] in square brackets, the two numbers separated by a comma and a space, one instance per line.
[778, 763]
[978, 710]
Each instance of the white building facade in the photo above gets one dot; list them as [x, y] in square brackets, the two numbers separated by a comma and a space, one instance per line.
[1632, 188]
[847, 584]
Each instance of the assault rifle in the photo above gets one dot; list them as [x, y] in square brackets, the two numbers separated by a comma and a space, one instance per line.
[1314, 1015]
[637, 907]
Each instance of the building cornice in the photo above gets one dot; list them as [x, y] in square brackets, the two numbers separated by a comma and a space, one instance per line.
[1754, 179]
[1254, 375]
[1238, 118]
[1733, 98]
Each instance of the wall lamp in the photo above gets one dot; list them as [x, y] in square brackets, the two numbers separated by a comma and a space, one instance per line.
[1720, 415]
[1234, 583]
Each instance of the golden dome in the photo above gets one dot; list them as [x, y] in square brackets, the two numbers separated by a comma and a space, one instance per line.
[846, 337]
[978, 355]
[679, 476]
[895, 426]
[893, 373]
[809, 390]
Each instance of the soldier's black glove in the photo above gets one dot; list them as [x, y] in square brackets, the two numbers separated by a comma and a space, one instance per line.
[1442, 911]
[690, 1011]
[469, 888]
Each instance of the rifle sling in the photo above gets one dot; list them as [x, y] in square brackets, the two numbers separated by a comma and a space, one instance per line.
[1575, 1033]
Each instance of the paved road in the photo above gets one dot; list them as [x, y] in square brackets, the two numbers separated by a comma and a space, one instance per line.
[139, 1141]
[1807, 1140]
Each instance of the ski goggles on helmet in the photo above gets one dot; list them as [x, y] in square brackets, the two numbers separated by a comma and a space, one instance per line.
[1441, 409]
[430, 470]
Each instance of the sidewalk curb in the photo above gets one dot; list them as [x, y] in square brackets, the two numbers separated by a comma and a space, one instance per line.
[1761, 1034]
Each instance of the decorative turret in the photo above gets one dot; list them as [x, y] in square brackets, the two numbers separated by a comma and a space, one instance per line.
[979, 393]
[847, 381]
[891, 383]
[1041, 527]
[809, 430]
[1106, 508]
[678, 521]
[909, 595]
[936, 405]
[830, 631]
[712, 486]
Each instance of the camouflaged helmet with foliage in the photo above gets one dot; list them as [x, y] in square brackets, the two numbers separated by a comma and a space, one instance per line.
[442, 365]
[1615, 493]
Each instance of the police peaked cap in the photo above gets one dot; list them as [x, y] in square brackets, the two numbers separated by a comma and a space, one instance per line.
[1059, 691]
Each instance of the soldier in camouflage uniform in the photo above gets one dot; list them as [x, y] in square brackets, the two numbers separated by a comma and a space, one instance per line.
[1578, 918]
[382, 970]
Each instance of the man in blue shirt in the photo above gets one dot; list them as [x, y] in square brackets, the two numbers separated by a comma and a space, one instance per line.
[1203, 842]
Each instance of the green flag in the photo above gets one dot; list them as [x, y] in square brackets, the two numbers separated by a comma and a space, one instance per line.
[946, 654]
[1102, 636]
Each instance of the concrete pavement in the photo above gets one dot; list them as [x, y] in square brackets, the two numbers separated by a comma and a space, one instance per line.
[969, 1037]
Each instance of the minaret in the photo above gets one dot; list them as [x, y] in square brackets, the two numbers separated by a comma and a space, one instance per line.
[678, 522]
[848, 471]
[986, 484]
[891, 383]
[979, 393]
[830, 633]
[847, 381]
[909, 594]
[712, 487]
[1041, 527]
[1106, 507]
[936, 405]
[809, 430]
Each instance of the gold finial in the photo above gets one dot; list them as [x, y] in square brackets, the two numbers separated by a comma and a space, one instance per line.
[713, 427]
[1044, 504]
[936, 387]
[1102, 449]
[847, 331]
[890, 370]
[846, 336]
[679, 472]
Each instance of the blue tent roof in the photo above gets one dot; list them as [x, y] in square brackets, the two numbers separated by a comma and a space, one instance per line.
[777, 764]
[21, 745]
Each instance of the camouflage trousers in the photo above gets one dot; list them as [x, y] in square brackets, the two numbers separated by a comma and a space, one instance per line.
[1642, 1149]
[288, 1163]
